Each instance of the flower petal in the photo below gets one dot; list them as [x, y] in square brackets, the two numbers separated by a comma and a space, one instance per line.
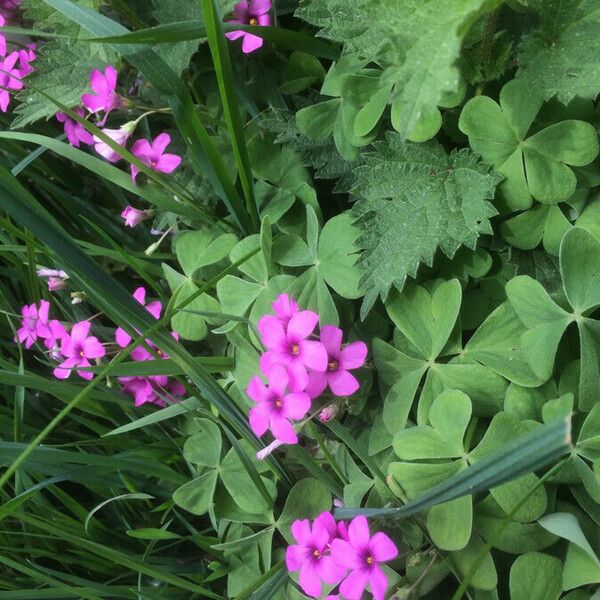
[259, 419]
[278, 379]
[271, 331]
[260, 7]
[92, 348]
[295, 405]
[160, 143]
[329, 571]
[80, 331]
[251, 43]
[358, 532]
[167, 163]
[309, 579]
[140, 295]
[345, 555]
[295, 555]
[282, 429]
[331, 338]
[343, 383]
[302, 324]
[298, 376]
[378, 582]
[317, 382]
[264, 20]
[234, 35]
[382, 548]
[327, 521]
[257, 390]
[122, 337]
[353, 355]
[154, 308]
[313, 354]
[301, 531]
[354, 585]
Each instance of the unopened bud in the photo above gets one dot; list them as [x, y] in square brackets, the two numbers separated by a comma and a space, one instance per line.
[328, 413]
[268, 450]
[77, 297]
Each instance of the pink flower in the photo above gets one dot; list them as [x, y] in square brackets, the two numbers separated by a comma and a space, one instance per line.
[78, 348]
[2, 37]
[133, 216]
[362, 554]
[105, 97]
[56, 333]
[311, 554]
[151, 390]
[120, 136]
[26, 57]
[252, 12]
[274, 407]
[328, 413]
[285, 308]
[289, 347]
[10, 78]
[153, 155]
[76, 132]
[154, 308]
[337, 375]
[34, 323]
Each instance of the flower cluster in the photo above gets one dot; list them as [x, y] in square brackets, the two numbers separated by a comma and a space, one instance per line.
[15, 57]
[74, 348]
[299, 369]
[334, 554]
[250, 12]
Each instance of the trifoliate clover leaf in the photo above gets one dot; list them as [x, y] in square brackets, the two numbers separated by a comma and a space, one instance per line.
[535, 166]
[413, 199]
[560, 57]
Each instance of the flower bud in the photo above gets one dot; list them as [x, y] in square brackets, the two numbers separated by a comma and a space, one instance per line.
[328, 413]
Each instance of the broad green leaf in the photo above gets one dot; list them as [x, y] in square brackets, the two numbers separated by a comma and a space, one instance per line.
[535, 576]
[197, 249]
[450, 524]
[485, 578]
[317, 121]
[204, 447]
[196, 496]
[414, 199]
[589, 375]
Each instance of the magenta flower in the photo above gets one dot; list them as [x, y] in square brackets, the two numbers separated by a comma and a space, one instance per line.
[362, 554]
[26, 57]
[153, 155]
[56, 283]
[53, 341]
[76, 132]
[2, 37]
[10, 79]
[289, 347]
[285, 308]
[252, 12]
[337, 375]
[152, 390]
[312, 556]
[34, 323]
[78, 348]
[274, 407]
[154, 308]
[120, 136]
[105, 97]
[133, 216]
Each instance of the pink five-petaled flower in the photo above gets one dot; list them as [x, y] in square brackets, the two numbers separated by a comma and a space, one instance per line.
[362, 554]
[274, 407]
[78, 348]
[56, 333]
[76, 133]
[119, 136]
[105, 97]
[339, 361]
[311, 554]
[285, 308]
[34, 324]
[152, 389]
[133, 216]
[153, 155]
[288, 346]
[10, 79]
[154, 308]
[250, 12]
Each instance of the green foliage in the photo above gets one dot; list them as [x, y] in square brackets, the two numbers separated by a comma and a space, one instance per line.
[412, 200]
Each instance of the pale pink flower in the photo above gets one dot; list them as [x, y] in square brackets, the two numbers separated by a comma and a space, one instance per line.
[120, 136]
[34, 323]
[154, 308]
[274, 407]
[76, 133]
[153, 155]
[250, 12]
[10, 79]
[133, 216]
[339, 362]
[56, 283]
[262, 454]
[56, 333]
[285, 308]
[105, 97]
[328, 413]
[78, 348]
[289, 346]
[311, 554]
[363, 554]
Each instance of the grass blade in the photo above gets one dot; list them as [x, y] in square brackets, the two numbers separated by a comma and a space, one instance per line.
[528, 453]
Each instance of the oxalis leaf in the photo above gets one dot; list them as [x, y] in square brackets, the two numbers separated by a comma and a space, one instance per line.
[413, 199]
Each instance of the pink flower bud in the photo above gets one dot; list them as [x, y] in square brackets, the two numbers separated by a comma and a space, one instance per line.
[268, 450]
[56, 283]
[133, 216]
[328, 413]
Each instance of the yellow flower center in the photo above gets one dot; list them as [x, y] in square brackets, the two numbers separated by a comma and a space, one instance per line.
[316, 554]
[333, 365]
[295, 349]
[278, 403]
[253, 21]
[370, 560]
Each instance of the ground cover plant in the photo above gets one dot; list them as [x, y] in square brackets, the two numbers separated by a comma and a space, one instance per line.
[300, 299]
